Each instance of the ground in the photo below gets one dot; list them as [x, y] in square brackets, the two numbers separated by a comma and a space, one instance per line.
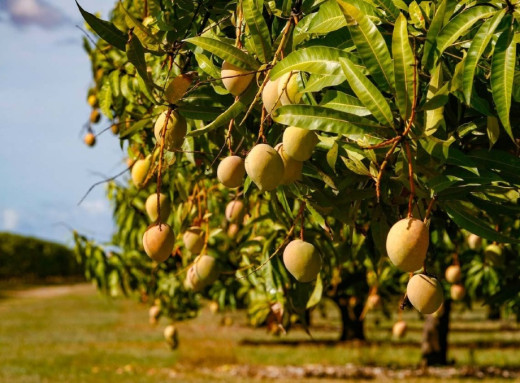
[72, 334]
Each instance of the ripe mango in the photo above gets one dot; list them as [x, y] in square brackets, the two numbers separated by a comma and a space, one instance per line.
[453, 274]
[265, 167]
[457, 292]
[140, 171]
[193, 239]
[425, 293]
[302, 260]
[175, 130]
[399, 329]
[407, 244]
[235, 211]
[474, 241]
[292, 169]
[231, 171]
[235, 79]
[151, 207]
[90, 139]
[158, 242]
[299, 143]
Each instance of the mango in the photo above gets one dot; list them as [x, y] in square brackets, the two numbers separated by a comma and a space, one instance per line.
[231, 172]
[193, 239]
[235, 79]
[407, 244]
[265, 167]
[302, 260]
[140, 171]
[292, 169]
[425, 293]
[175, 130]
[299, 143]
[158, 242]
[151, 207]
[453, 274]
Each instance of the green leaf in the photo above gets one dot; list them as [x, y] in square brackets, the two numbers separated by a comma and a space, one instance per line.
[324, 119]
[433, 31]
[404, 60]
[136, 127]
[389, 8]
[106, 30]
[233, 111]
[368, 93]
[225, 51]
[148, 40]
[344, 102]
[329, 18]
[370, 44]
[332, 156]
[316, 83]
[316, 294]
[494, 208]
[502, 75]
[457, 27]
[105, 99]
[257, 26]
[316, 60]
[135, 54]
[493, 130]
[467, 219]
[476, 49]
[114, 82]
[504, 163]
[435, 117]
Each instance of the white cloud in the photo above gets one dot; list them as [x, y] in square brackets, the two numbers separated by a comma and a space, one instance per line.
[33, 12]
[95, 207]
[10, 219]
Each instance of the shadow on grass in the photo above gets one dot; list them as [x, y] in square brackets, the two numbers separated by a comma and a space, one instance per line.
[376, 343]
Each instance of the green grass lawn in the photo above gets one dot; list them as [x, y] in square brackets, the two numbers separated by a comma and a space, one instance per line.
[76, 335]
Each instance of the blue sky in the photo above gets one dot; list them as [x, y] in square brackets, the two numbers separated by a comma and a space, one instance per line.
[44, 166]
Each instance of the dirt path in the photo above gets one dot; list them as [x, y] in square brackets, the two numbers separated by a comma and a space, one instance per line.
[355, 372]
[51, 291]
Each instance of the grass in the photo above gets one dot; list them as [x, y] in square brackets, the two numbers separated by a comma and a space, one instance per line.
[79, 336]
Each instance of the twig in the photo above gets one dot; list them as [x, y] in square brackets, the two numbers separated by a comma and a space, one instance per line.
[102, 182]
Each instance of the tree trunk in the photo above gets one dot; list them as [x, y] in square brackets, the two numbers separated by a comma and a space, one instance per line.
[434, 345]
[352, 325]
[493, 313]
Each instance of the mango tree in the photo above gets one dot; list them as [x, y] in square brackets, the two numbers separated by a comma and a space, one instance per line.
[283, 152]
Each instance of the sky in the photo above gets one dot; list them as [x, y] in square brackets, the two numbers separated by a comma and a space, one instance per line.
[45, 168]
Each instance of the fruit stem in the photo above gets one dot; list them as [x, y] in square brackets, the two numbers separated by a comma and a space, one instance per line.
[429, 209]
[159, 170]
[410, 177]
[261, 130]
[456, 259]
[302, 217]
[228, 135]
